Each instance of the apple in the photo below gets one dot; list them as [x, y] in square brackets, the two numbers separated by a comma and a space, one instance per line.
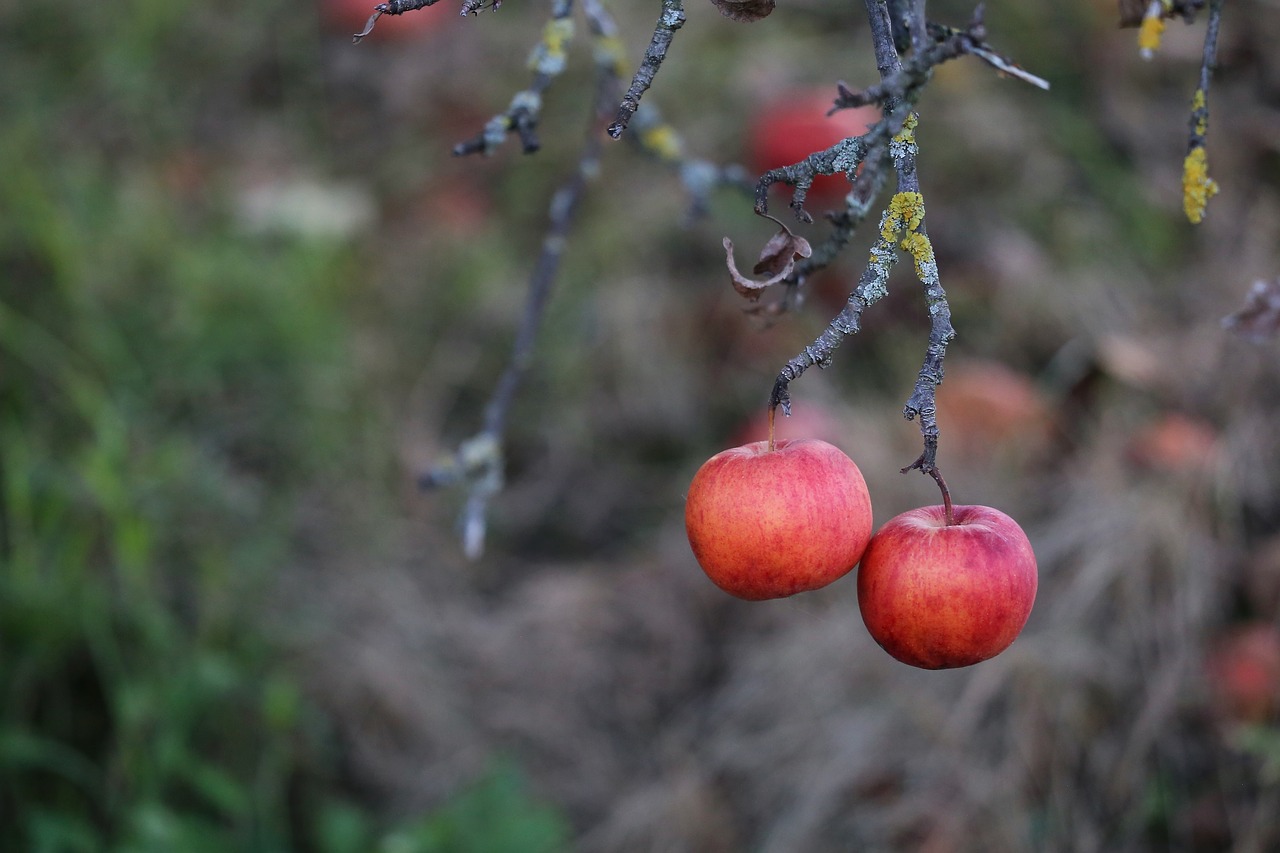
[940, 593]
[789, 128]
[1243, 671]
[985, 407]
[768, 523]
[1174, 444]
[347, 17]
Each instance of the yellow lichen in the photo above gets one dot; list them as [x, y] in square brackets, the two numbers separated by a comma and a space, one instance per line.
[907, 136]
[663, 141]
[1198, 109]
[1197, 186]
[918, 246]
[1149, 34]
[906, 210]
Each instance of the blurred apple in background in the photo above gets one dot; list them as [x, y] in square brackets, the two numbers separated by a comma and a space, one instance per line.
[984, 407]
[1243, 671]
[347, 17]
[808, 420]
[1174, 444]
[789, 128]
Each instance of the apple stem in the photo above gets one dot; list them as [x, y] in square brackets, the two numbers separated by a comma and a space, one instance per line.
[946, 496]
[772, 411]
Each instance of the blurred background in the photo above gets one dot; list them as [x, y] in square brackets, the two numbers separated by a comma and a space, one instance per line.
[246, 296]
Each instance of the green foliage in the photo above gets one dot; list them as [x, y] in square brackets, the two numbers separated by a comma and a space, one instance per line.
[174, 388]
[495, 815]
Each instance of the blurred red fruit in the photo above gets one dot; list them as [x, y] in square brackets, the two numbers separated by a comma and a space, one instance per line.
[792, 127]
[1243, 670]
[808, 420]
[984, 406]
[1175, 444]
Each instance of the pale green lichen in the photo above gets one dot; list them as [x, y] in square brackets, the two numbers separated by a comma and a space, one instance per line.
[611, 53]
[548, 56]
[903, 144]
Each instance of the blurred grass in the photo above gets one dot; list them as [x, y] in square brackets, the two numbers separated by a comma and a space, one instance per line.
[176, 388]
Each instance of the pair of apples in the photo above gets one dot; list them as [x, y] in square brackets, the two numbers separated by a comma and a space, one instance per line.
[936, 590]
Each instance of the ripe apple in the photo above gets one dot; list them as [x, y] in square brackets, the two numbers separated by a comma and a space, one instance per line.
[770, 523]
[938, 595]
[791, 127]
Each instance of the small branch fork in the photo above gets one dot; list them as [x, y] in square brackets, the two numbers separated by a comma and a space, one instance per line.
[671, 19]
[891, 141]
[548, 61]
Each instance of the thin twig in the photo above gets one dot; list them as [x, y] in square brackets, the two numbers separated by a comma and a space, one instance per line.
[392, 7]
[902, 220]
[671, 19]
[479, 460]
[1197, 186]
[521, 116]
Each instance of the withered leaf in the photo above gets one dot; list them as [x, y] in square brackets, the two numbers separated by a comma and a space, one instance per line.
[744, 10]
[1259, 320]
[777, 261]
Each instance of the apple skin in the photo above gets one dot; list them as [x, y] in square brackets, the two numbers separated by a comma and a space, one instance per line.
[938, 596]
[771, 523]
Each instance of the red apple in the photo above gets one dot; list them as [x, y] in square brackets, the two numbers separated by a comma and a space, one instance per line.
[770, 523]
[791, 127]
[938, 595]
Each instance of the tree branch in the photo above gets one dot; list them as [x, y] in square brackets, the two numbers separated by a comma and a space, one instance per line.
[479, 461]
[547, 61]
[671, 19]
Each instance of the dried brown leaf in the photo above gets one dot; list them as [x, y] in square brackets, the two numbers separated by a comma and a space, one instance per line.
[1259, 320]
[744, 10]
[777, 261]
